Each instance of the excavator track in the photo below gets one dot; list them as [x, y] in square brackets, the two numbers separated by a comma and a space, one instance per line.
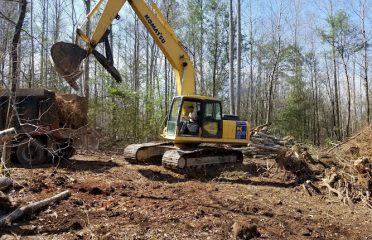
[182, 160]
[146, 152]
[200, 157]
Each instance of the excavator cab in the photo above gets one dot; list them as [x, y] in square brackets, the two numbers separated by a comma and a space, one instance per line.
[194, 118]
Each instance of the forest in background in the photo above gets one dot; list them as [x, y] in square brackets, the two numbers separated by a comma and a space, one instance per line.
[302, 65]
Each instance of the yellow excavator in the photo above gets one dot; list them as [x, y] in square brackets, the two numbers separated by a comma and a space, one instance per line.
[196, 132]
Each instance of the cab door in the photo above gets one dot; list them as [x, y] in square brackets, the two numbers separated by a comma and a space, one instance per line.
[173, 117]
[212, 119]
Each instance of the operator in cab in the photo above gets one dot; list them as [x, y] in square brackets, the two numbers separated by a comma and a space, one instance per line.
[189, 122]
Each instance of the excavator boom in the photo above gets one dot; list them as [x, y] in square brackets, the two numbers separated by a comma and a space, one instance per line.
[68, 57]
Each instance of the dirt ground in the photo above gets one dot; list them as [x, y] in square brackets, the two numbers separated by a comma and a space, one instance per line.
[112, 199]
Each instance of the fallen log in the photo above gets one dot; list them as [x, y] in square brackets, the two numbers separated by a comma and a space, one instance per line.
[32, 207]
[274, 149]
[259, 127]
[266, 136]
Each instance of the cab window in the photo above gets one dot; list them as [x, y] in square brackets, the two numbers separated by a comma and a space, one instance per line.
[212, 112]
[212, 121]
[173, 117]
[175, 108]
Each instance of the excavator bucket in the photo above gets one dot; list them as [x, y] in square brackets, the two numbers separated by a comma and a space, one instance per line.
[66, 58]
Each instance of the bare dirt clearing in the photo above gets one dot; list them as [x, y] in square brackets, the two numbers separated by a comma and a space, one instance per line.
[114, 200]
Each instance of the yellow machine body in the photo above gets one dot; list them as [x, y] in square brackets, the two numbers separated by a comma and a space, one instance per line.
[211, 125]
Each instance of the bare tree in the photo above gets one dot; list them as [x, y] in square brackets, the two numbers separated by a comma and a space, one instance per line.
[12, 120]
[273, 75]
[251, 87]
[362, 16]
[86, 65]
[239, 59]
[32, 62]
[231, 58]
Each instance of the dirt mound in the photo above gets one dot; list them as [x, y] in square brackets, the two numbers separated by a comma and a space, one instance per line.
[360, 145]
[72, 110]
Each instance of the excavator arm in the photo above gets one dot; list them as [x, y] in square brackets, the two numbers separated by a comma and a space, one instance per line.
[156, 25]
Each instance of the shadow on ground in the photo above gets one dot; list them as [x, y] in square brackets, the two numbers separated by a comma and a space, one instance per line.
[95, 166]
[238, 173]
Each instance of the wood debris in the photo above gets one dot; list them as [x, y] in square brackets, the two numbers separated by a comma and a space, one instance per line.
[264, 145]
[286, 152]
[32, 208]
[352, 183]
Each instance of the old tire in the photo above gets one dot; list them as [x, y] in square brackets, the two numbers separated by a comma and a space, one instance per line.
[31, 153]
[66, 150]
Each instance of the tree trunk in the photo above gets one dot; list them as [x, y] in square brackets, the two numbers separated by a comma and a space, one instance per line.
[251, 104]
[86, 66]
[166, 95]
[215, 56]
[201, 57]
[331, 97]
[337, 101]
[44, 16]
[348, 96]
[46, 45]
[317, 105]
[273, 76]
[231, 58]
[239, 60]
[365, 58]
[355, 124]
[15, 70]
[12, 118]
[32, 75]
[136, 75]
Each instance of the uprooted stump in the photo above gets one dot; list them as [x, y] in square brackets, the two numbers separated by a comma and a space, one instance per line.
[72, 110]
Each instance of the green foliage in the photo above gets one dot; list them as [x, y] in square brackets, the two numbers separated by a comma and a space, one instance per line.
[341, 34]
[292, 115]
[121, 120]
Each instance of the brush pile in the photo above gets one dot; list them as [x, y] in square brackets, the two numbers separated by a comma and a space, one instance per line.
[351, 183]
[263, 145]
[345, 171]
[349, 177]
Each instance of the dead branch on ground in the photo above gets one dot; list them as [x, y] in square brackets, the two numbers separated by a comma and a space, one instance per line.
[32, 208]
